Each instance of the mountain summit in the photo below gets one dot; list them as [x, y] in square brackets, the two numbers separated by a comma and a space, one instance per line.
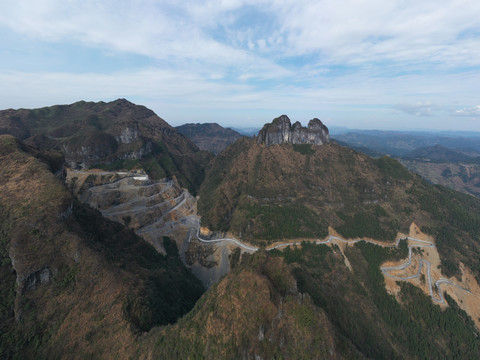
[280, 131]
[114, 135]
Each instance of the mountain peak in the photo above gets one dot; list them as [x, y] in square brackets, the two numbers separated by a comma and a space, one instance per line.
[280, 131]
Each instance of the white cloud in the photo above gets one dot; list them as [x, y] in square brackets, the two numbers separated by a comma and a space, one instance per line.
[183, 96]
[418, 109]
[471, 111]
[340, 32]
[256, 54]
[376, 30]
[261, 44]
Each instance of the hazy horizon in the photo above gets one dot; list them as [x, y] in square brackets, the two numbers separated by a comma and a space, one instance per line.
[372, 65]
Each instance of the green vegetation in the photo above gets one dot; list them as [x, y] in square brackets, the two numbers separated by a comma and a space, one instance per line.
[392, 168]
[453, 327]
[288, 191]
[67, 280]
[234, 258]
[285, 221]
[305, 316]
[127, 164]
[153, 168]
[169, 290]
[304, 149]
[367, 319]
[163, 158]
[254, 310]
[7, 291]
[363, 224]
[309, 254]
[457, 226]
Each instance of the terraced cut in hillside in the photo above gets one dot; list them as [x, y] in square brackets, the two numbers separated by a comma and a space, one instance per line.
[154, 209]
[162, 208]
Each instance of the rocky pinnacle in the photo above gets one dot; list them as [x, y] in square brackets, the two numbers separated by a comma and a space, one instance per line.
[280, 131]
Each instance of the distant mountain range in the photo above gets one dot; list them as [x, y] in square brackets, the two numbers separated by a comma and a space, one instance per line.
[447, 158]
[397, 143]
[447, 167]
[247, 131]
[441, 154]
[209, 136]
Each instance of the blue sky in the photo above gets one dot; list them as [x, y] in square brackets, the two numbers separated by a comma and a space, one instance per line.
[397, 64]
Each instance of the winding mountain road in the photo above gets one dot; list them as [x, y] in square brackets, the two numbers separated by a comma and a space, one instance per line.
[179, 201]
[235, 241]
[437, 297]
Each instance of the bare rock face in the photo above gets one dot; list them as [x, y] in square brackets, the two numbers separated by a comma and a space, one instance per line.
[281, 131]
[152, 208]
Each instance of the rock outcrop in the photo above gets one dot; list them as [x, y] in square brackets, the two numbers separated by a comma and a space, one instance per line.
[280, 131]
[153, 209]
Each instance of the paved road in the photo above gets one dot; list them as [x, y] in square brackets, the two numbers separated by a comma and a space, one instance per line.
[437, 297]
[180, 200]
[235, 241]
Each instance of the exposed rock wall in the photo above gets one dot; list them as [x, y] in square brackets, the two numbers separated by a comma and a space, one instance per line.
[154, 209]
[150, 208]
[280, 131]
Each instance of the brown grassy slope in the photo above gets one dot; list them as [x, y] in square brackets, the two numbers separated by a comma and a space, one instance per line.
[91, 133]
[76, 285]
[80, 306]
[255, 311]
[289, 191]
[327, 180]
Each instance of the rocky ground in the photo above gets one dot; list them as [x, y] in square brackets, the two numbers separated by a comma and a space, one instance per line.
[154, 209]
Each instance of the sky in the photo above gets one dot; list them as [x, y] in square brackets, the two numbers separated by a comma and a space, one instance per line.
[365, 64]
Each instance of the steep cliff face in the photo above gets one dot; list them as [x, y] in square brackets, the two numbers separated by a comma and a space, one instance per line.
[153, 209]
[280, 131]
